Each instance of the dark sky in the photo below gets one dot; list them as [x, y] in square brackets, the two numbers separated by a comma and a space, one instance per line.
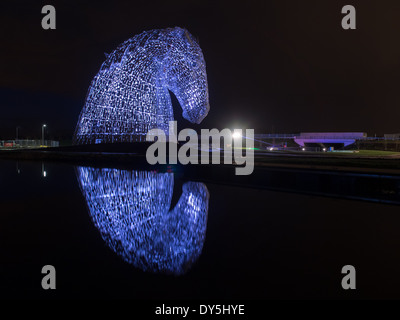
[283, 66]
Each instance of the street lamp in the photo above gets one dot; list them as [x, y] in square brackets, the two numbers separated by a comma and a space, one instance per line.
[43, 126]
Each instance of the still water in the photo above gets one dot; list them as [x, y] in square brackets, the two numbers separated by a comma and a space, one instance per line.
[114, 233]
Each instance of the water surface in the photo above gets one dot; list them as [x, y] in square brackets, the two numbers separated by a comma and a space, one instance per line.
[145, 234]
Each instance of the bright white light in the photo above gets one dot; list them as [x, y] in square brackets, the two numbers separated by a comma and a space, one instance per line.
[44, 126]
[236, 135]
[44, 174]
[324, 149]
[304, 149]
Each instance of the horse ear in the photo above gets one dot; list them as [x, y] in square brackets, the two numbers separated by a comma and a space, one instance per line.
[184, 34]
[180, 30]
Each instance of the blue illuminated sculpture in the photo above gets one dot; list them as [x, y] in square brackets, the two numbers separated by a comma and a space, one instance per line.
[129, 95]
[131, 209]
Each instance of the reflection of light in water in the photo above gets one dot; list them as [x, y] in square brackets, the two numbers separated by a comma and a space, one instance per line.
[132, 211]
[44, 173]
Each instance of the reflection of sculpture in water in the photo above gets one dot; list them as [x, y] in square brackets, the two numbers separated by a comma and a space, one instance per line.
[131, 209]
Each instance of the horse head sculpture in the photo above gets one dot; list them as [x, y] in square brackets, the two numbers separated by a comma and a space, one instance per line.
[129, 95]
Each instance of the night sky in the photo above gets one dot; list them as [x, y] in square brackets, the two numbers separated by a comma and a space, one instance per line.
[275, 66]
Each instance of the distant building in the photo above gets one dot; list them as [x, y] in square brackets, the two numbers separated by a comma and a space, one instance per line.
[392, 136]
[28, 143]
[328, 139]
